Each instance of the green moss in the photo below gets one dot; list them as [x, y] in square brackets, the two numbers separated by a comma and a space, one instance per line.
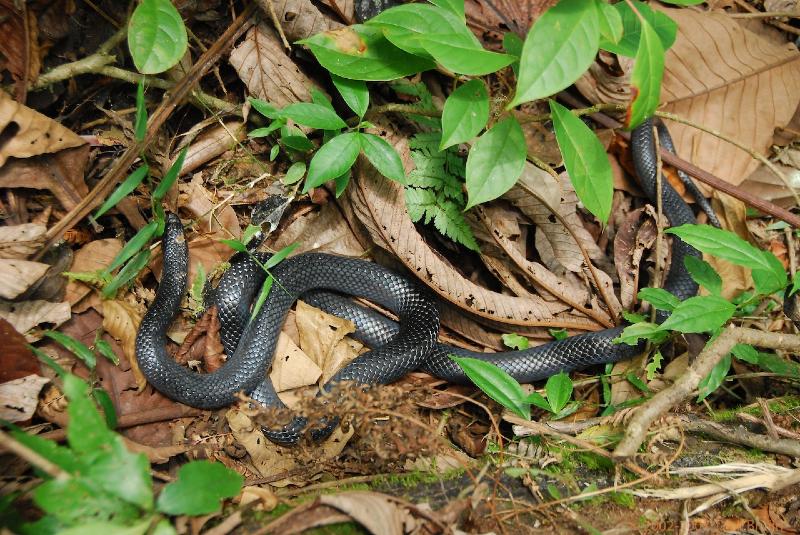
[776, 406]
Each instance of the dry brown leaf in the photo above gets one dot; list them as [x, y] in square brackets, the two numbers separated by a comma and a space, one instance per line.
[266, 70]
[16, 276]
[621, 389]
[765, 185]
[300, 18]
[40, 153]
[322, 339]
[26, 315]
[376, 512]
[121, 320]
[16, 359]
[291, 367]
[15, 53]
[91, 257]
[633, 238]
[323, 231]
[213, 220]
[345, 9]
[21, 241]
[266, 498]
[212, 143]
[18, 398]
[380, 205]
[729, 79]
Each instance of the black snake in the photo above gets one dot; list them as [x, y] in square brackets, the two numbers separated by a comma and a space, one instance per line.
[397, 348]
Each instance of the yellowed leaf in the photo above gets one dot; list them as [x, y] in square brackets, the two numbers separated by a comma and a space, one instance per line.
[121, 320]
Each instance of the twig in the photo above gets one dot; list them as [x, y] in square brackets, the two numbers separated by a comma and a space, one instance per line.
[768, 423]
[782, 431]
[176, 97]
[742, 436]
[691, 169]
[24, 452]
[688, 382]
[266, 5]
[765, 15]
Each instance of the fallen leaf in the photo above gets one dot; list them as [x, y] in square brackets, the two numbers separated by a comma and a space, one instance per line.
[291, 367]
[93, 256]
[269, 74]
[323, 231]
[765, 185]
[26, 315]
[301, 19]
[214, 219]
[211, 143]
[16, 360]
[19, 398]
[266, 498]
[21, 241]
[17, 55]
[378, 514]
[633, 238]
[320, 336]
[16, 276]
[121, 320]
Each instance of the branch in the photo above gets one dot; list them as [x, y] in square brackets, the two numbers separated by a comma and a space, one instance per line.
[688, 382]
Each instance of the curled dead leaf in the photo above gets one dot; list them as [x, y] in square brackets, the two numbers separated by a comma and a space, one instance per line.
[21, 241]
[26, 315]
[121, 320]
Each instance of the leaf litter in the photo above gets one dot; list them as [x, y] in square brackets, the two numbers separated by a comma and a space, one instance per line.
[411, 425]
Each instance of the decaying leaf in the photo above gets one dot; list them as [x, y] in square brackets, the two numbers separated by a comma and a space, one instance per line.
[16, 359]
[214, 218]
[634, 236]
[16, 276]
[765, 185]
[40, 153]
[26, 315]
[121, 320]
[322, 339]
[376, 512]
[17, 55]
[18, 398]
[266, 70]
[291, 367]
[21, 241]
[300, 18]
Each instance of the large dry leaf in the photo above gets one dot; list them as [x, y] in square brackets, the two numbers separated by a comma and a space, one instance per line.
[21, 241]
[765, 185]
[16, 358]
[15, 53]
[212, 143]
[300, 18]
[26, 315]
[725, 77]
[266, 70]
[380, 205]
[39, 153]
[16, 276]
[325, 231]
[378, 514]
[345, 9]
[18, 398]
[322, 338]
[291, 367]
[93, 256]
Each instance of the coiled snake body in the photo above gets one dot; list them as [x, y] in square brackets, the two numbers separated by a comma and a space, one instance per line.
[397, 348]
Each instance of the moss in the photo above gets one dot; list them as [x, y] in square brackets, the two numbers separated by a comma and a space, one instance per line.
[781, 405]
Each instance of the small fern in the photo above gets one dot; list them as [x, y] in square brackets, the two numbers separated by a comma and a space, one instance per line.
[434, 189]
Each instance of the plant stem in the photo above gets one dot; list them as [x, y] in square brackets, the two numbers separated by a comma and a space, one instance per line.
[24, 452]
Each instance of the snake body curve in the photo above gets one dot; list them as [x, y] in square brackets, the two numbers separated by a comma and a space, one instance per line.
[397, 348]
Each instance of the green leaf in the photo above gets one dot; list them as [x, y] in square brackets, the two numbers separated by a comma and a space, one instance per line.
[709, 384]
[495, 162]
[362, 52]
[462, 58]
[446, 215]
[638, 383]
[107, 528]
[156, 36]
[664, 26]
[586, 161]
[87, 431]
[699, 314]
[170, 177]
[133, 246]
[684, 2]
[654, 365]
[455, 6]
[280, 256]
[127, 273]
[199, 282]
[75, 502]
[465, 113]
[642, 330]
[775, 364]
[127, 186]
[77, 348]
[104, 349]
[262, 296]
[513, 44]
[354, 93]
[104, 400]
[383, 157]
[746, 353]
[295, 139]
[321, 99]
[313, 116]
[570, 408]
[236, 245]
[632, 317]
[59, 455]
[795, 283]
[515, 341]
[140, 125]
[332, 159]
[648, 70]
[121, 473]
[659, 298]
[295, 173]
[558, 49]
[536, 399]
[273, 152]
[198, 489]
[703, 274]
[265, 108]
[610, 21]
[496, 384]
[341, 182]
[768, 273]
[558, 334]
[267, 130]
[559, 391]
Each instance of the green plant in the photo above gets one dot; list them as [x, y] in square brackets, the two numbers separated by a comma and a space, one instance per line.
[95, 485]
